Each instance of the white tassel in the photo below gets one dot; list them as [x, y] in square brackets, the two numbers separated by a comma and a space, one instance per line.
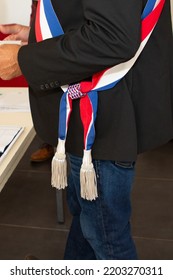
[59, 167]
[88, 179]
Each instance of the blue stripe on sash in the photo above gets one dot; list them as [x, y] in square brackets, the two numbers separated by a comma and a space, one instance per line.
[52, 19]
[109, 86]
[63, 117]
[148, 8]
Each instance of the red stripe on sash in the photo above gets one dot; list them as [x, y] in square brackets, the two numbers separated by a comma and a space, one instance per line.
[86, 116]
[87, 86]
[38, 32]
[150, 21]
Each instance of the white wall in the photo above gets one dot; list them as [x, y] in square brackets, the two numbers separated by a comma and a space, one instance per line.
[172, 10]
[12, 11]
[15, 11]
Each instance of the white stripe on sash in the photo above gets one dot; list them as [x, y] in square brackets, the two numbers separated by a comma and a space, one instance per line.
[44, 24]
[116, 72]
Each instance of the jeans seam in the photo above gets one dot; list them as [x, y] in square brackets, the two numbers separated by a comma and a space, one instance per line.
[106, 246]
[123, 164]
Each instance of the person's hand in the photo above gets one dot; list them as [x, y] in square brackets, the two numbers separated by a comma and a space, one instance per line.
[16, 31]
[9, 67]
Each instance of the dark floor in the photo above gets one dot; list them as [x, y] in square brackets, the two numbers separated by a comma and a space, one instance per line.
[28, 218]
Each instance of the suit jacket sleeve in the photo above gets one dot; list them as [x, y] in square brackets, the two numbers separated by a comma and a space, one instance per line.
[108, 35]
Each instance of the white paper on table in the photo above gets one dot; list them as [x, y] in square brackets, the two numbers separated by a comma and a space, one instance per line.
[4, 42]
[15, 11]
[8, 136]
[14, 100]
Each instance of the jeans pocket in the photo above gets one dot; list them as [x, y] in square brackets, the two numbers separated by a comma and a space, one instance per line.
[125, 164]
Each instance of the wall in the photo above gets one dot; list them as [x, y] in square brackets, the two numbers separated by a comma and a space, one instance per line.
[172, 10]
[14, 11]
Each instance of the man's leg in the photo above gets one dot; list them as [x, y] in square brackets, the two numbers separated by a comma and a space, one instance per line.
[105, 222]
[77, 247]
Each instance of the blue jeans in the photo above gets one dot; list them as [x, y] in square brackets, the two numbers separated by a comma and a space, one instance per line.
[101, 228]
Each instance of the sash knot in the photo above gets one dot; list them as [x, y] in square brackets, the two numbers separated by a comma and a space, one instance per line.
[74, 91]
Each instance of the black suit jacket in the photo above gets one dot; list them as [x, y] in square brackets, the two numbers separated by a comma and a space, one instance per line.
[133, 117]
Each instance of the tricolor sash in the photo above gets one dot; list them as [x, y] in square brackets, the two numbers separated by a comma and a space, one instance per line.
[47, 26]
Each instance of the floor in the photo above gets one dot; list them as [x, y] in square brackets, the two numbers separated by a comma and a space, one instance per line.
[28, 212]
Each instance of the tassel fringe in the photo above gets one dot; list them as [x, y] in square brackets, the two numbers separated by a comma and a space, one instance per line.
[88, 179]
[59, 167]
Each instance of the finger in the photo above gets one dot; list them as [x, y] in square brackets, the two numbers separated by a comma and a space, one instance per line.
[11, 38]
[24, 43]
[10, 28]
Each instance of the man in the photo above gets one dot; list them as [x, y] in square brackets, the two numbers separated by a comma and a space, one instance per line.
[133, 116]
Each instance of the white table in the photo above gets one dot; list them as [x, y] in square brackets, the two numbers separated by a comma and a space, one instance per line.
[14, 155]
[21, 118]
